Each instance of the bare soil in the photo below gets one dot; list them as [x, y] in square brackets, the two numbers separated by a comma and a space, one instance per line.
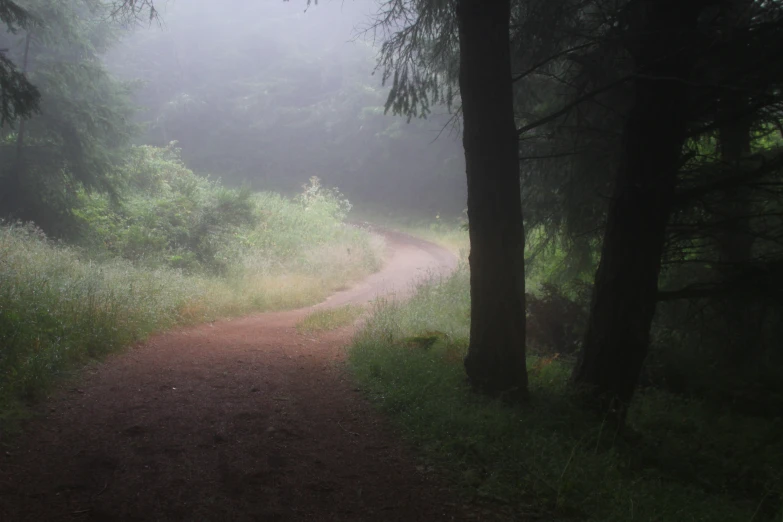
[242, 420]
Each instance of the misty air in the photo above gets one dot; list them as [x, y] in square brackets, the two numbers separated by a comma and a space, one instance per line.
[391, 260]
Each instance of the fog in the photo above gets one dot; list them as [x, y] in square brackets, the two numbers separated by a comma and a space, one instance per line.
[271, 93]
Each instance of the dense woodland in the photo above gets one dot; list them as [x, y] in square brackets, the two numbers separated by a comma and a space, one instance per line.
[620, 310]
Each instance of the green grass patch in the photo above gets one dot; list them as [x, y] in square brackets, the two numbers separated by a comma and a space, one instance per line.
[329, 319]
[448, 232]
[678, 462]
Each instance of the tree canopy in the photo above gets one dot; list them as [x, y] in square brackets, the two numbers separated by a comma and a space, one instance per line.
[18, 97]
[84, 119]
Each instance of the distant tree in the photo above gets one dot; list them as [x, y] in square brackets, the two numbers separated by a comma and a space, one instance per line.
[85, 114]
[18, 97]
[267, 86]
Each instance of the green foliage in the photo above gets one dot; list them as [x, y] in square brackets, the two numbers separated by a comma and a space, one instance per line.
[329, 318]
[13, 15]
[700, 349]
[18, 97]
[555, 320]
[174, 249]
[168, 216]
[316, 198]
[679, 460]
[446, 231]
[85, 119]
[419, 54]
[57, 308]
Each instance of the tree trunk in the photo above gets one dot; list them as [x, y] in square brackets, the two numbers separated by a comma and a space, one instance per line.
[734, 238]
[495, 362]
[626, 283]
[736, 241]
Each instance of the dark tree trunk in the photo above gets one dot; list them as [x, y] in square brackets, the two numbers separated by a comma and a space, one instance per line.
[741, 320]
[626, 283]
[736, 241]
[734, 237]
[496, 357]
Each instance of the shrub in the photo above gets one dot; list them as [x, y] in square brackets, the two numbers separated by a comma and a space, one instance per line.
[556, 321]
[176, 249]
[168, 216]
[680, 460]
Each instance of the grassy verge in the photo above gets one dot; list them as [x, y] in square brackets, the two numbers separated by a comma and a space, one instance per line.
[680, 462]
[59, 308]
[448, 233]
[172, 248]
[329, 319]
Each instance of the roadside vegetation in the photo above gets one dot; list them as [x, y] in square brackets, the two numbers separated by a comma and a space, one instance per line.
[680, 459]
[448, 231]
[329, 319]
[637, 333]
[449, 234]
[170, 248]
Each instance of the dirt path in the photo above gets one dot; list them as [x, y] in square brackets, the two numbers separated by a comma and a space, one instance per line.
[242, 420]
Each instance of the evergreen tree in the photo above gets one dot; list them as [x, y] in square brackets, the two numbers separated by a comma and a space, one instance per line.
[85, 114]
[422, 39]
[722, 239]
[18, 97]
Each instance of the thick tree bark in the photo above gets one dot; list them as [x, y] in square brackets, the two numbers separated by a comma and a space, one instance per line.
[736, 241]
[496, 357]
[626, 283]
[742, 321]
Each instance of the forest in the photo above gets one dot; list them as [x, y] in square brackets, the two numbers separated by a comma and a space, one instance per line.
[391, 259]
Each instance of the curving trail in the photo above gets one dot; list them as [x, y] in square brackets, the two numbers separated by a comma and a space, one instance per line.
[242, 420]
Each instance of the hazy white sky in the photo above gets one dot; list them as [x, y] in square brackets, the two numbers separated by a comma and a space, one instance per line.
[274, 92]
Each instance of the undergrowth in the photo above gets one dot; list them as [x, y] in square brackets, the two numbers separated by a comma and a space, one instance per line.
[679, 461]
[177, 249]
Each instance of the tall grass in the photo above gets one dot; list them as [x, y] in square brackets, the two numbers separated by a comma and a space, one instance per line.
[679, 461]
[174, 248]
[59, 308]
